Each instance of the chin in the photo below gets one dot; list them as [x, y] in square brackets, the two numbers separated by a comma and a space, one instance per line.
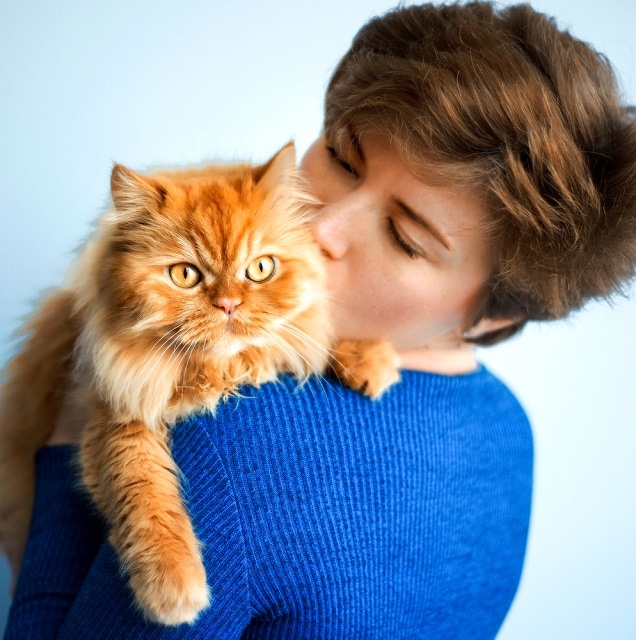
[225, 345]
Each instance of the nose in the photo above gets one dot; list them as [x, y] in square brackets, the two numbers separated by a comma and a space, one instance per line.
[227, 305]
[333, 228]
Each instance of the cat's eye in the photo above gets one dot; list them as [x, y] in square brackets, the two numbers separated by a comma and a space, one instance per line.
[261, 269]
[184, 275]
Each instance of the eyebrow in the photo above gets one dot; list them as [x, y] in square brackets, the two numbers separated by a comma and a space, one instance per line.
[423, 222]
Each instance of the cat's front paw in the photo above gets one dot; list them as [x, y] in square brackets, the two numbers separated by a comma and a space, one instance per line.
[368, 366]
[174, 592]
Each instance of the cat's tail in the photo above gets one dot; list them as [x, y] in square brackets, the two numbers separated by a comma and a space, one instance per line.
[33, 386]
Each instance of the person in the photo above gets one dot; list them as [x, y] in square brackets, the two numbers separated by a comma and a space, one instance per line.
[477, 171]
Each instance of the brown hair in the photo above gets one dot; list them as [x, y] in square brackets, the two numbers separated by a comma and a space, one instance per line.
[505, 102]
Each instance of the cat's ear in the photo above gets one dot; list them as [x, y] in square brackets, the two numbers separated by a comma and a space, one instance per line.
[133, 193]
[280, 172]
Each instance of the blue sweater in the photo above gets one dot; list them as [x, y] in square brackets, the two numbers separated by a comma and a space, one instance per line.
[323, 514]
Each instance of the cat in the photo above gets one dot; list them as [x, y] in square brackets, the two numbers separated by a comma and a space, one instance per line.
[196, 282]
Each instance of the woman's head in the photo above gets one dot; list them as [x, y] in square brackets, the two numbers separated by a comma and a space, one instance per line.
[503, 104]
[406, 261]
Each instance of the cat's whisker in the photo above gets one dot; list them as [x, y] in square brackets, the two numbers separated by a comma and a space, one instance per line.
[185, 369]
[294, 330]
[191, 348]
[318, 374]
[319, 353]
[176, 356]
[335, 360]
[293, 354]
[317, 349]
[158, 353]
[167, 345]
[166, 335]
[305, 337]
[320, 348]
[163, 338]
[196, 346]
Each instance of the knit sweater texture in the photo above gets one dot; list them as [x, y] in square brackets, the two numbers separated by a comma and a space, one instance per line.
[323, 515]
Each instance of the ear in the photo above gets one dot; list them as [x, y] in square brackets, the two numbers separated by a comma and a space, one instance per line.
[488, 325]
[280, 172]
[133, 193]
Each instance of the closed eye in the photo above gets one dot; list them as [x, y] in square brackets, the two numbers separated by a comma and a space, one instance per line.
[340, 162]
[399, 241]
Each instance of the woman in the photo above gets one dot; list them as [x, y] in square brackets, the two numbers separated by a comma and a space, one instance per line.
[453, 214]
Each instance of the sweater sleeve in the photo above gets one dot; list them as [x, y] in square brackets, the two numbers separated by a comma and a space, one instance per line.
[64, 536]
[71, 584]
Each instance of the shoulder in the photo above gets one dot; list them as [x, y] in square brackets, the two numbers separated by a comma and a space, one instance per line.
[470, 402]
[320, 396]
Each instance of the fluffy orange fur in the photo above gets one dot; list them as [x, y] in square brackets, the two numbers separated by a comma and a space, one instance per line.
[196, 282]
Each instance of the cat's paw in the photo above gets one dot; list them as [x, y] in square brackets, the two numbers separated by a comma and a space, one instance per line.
[368, 366]
[175, 591]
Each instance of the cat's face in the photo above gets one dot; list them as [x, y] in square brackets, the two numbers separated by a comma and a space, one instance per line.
[220, 258]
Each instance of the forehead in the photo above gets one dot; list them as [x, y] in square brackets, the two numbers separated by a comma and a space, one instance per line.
[200, 219]
[227, 221]
[458, 211]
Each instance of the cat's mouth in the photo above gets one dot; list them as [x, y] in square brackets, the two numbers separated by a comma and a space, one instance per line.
[236, 328]
[229, 336]
[235, 331]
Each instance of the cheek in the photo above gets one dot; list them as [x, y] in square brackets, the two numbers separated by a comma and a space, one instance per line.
[426, 304]
[166, 306]
[404, 306]
[281, 297]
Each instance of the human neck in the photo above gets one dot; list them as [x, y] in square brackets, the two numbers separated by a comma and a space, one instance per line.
[446, 361]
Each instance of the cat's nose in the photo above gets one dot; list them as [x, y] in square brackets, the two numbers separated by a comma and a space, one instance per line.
[227, 305]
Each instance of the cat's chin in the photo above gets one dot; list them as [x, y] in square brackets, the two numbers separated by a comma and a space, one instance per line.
[226, 346]
[229, 345]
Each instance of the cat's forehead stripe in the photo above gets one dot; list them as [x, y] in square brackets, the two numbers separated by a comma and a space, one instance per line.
[218, 239]
[225, 222]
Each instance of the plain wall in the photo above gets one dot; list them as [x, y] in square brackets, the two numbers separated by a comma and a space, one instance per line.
[147, 83]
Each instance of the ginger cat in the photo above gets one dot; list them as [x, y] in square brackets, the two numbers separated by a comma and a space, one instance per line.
[196, 282]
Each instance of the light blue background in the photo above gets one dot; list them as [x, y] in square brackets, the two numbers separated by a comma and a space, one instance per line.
[150, 82]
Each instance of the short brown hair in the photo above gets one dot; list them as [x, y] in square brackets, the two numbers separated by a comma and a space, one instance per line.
[505, 101]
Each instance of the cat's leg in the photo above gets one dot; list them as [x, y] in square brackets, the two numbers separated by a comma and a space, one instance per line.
[34, 384]
[129, 471]
[369, 366]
